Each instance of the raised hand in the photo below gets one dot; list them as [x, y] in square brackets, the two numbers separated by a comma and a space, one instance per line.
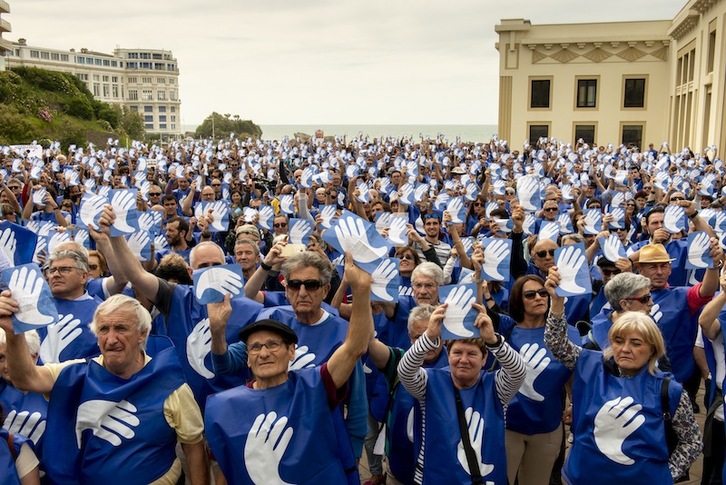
[60, 335]
[8, 244]
[199, 345]
[267, 441]
[458, 305]
[535, 357]
[219, 279]
[137, 242]
[25, 423]
[475, 424]
[382, 276]
[303, 358]
[300, 231]
[614, 423]
[494, 254]
[123, 202]
[353, 238]
[26, 286]
[110, 421]
[698, 251]
[570, 261]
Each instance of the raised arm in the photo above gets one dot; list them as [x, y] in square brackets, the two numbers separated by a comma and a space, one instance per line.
[708, 320]
[343, 360]
[273, 260]
[556, 329]
[25, 374]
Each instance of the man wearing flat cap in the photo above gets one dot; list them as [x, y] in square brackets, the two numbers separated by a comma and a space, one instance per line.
[287, 432]
[674, 307]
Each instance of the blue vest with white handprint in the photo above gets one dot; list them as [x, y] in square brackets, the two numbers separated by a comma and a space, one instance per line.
[8, 472]
[399, 447]
[442, 463]
[144, 457]
[322, 340]
[530, 416]
[311, 455]
[27, 405]
[376, 386]
[679, 329]
[85, 344]
[644, 451]
[185, 313]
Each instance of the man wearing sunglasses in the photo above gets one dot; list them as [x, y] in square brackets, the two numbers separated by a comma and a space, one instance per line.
[307, 278]
[676, 307]
[309, 409]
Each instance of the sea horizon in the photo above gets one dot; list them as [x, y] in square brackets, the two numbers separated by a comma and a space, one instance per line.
[467, 133]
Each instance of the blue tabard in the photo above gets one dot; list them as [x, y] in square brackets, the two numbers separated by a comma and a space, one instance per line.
[376, 387]
[145, 457]
[399, 447]
[397, 334]
[311, 457]
[442, 435]
[85, 344]
[28, 406]
[598, 302]
[601, 324]
[645, 448]
[529, 415]
[679, 329]
[8, 472]
[185, 314]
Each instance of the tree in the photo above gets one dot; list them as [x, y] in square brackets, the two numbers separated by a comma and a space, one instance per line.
[222, 125]
[133, 124]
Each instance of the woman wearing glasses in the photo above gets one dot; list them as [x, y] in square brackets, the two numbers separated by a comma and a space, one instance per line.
[476, 220]
[534, 432]
[618, 399]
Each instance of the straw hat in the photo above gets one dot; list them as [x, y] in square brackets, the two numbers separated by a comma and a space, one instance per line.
[654, 253]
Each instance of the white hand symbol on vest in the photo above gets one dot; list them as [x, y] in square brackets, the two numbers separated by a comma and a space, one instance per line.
[303, 359]
[537, 361]
[615, 421]
[655, 313]
[476, 437]
[30, 425]
[109, 420]
[199, 345]
[265, 445]
[409, 426]
[60, 335]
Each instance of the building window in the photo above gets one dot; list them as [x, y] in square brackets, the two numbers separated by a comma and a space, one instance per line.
[158, 66]
[172, 95]
[170, 67]
[156, 56]
[538, 131]
[162, 126]
[82, 77]
[114, 64]
[149, 126]
[133, 95]
[35, 54]
[96, 89]
[145, 65]
[148, 117]
[173, 126]
[147, 95]
[144, 55]
[96, 77]
[114, 90]
[132, 65]
[133, 55]
[114, 79]
[586, 93]
[134, 108]
[55, 56]
[711, 51]
[632, 135]
[45, 55]
[106, 91]
[634, 95]
[172, 109]
[173, 118]
[162, 109]
[586, 133]
[106, 62]
[64, 57]
[540, 95]
[162, 118]
[132, 80]
[160, 80]
[99, 62]
[172, 81]
[148, 109]
[105, 79]
[146, 80]
[161, 95]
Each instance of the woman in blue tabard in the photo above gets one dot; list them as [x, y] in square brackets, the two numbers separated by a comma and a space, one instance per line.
[617, 416]
[534, 417]
[444, 453]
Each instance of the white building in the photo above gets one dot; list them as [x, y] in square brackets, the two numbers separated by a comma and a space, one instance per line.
[5, 45]
[617, 82]
[142, 80]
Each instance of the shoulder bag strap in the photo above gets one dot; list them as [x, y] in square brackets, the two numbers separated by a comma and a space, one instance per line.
[471, 458]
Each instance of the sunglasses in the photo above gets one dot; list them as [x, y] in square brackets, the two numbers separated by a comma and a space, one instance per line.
[280, 224]
[154, 194]
[542, 293]
[408, 257]
[642, 299]
[551, 209]
[478, 204]
[545, 252]
[676, 199]
[431, 216]
[216, 185]
[310, 285]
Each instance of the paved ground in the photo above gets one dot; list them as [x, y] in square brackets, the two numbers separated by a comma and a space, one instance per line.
[696, 469]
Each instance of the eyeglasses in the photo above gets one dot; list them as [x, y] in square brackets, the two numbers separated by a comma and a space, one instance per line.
[310, 285]
[551, 209]
[408, 257]
[216, 185]
[676, 199]
[478, 204]
[280, 224]
[93, 267]
[542, 293]
[543, 253]
[64, 270]
[154, 194]
[13, 187]
[272, 345]
[610, 272]
[642, 299]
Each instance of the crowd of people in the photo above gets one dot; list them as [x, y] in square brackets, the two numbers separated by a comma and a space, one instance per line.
[306, 368]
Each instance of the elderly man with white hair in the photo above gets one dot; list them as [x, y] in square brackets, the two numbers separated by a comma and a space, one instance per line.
[118, 417]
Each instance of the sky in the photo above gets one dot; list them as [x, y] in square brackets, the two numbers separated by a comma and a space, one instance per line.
[319, 61]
